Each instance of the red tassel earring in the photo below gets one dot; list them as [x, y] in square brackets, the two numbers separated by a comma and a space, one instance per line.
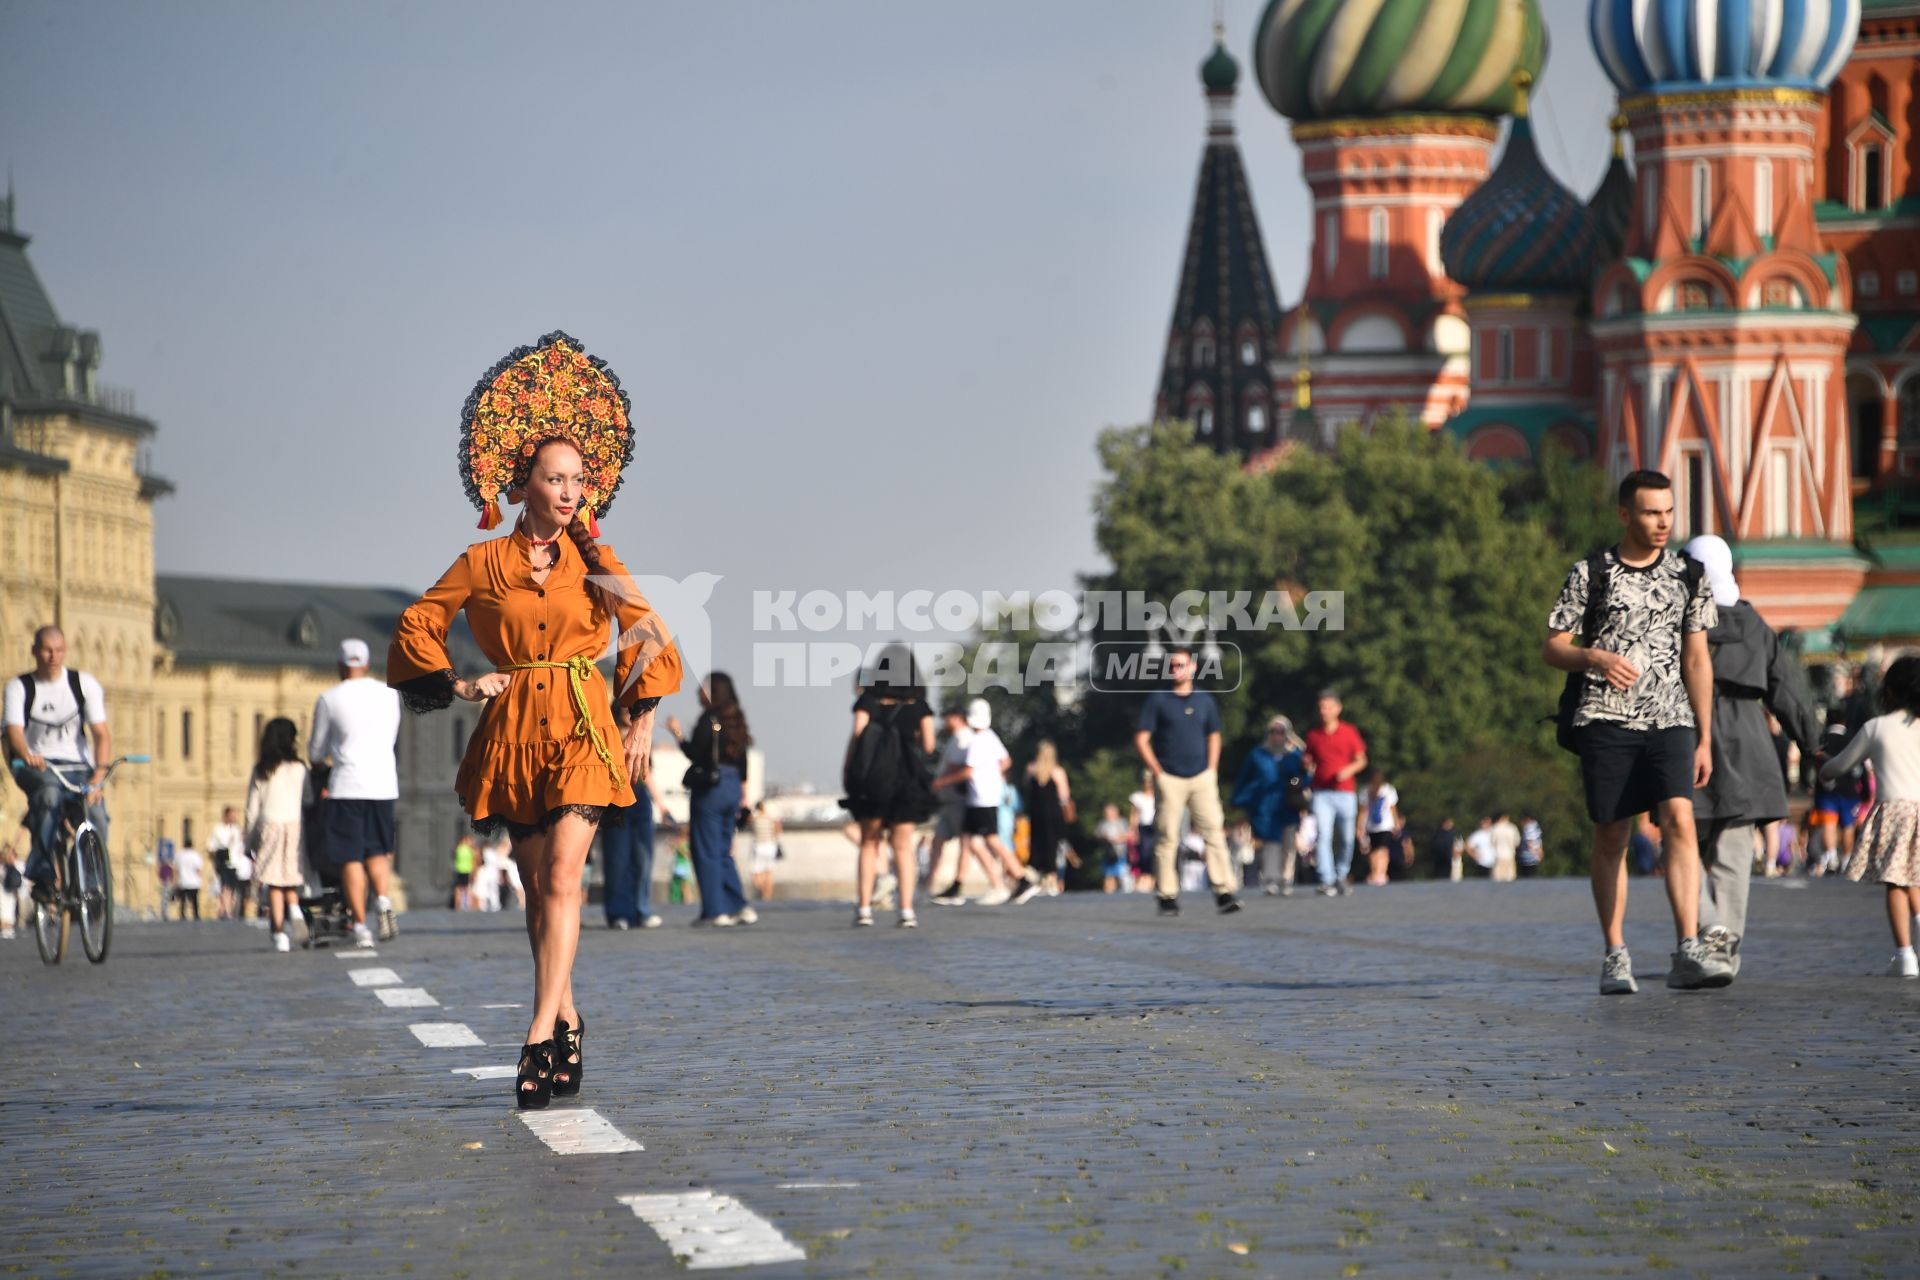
[593, 523]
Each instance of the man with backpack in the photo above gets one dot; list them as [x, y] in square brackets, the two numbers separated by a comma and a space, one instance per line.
[1630, 626]
[51, 713]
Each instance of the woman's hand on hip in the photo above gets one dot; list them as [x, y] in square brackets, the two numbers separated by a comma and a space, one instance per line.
[494, 682]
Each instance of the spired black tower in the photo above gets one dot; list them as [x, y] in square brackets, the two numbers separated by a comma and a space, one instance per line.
[1223, 342]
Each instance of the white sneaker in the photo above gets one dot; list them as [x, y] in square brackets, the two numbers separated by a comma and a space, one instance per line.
[722, 921]
[1905, 964]
[362, 936]
[748, 916]
[993, 897]
[281, 942]
[908, 920]
[651, 922]
[6, 935]
[862, 917]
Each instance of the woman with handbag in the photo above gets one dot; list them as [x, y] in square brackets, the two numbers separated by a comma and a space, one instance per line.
[717, 749]
[1272, 791]
[547, 425]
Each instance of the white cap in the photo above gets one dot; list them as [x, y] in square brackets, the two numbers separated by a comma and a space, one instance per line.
[1716, 557]
[353, 653]
[979, 714]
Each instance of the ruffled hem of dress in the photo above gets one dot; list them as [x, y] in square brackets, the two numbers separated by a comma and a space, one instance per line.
[522, 783]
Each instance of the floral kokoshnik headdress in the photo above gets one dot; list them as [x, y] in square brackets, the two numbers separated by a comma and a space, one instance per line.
[553, 391]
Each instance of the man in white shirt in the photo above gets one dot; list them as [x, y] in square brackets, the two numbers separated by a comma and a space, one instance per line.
[983, 768]
[356, 724]
[51, 713]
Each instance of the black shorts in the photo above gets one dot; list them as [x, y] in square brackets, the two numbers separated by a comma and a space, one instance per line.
[1382, 840]
[354, 830]
[1630, 771]
[983, 821]
[461, 879]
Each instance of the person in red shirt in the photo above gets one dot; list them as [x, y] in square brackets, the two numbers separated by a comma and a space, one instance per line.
[1337, 753]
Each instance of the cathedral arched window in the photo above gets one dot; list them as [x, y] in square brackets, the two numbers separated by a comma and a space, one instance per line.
[1377, 244]
[1249, 351]
[1907, 414]
[1763, 197]
[1695, 296]
[1702, 199]
[1203, 419]
[1256, 417]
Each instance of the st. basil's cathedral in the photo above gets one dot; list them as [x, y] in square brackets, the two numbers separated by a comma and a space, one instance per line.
[1736, 303]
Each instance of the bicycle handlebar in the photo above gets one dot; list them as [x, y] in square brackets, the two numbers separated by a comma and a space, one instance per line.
[111, 766]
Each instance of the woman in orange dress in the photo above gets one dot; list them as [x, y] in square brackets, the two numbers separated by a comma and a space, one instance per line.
[548, 425]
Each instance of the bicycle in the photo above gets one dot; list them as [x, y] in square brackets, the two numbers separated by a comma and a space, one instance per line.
[83, 881]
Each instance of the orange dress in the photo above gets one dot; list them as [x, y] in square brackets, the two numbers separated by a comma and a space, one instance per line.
[531, 754]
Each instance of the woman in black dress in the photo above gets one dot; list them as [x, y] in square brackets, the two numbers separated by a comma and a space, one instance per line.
[889, 791]
[1049, 803]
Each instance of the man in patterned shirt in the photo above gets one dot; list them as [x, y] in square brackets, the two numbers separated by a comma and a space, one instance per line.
[1643, 726]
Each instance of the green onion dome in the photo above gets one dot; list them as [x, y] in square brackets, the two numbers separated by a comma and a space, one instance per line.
[1332, 59]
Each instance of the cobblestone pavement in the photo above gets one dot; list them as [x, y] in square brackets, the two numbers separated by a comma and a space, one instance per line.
[1416, 1081]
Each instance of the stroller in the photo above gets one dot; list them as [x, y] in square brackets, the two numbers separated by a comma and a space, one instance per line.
[327, 919]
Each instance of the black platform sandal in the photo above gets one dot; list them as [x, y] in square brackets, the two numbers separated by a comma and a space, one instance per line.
[569, 1063]
[533, 1086]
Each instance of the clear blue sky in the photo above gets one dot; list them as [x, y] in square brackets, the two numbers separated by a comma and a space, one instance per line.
[874, 272]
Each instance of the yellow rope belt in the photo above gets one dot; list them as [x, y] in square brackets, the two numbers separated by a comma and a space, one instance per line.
[578, 669]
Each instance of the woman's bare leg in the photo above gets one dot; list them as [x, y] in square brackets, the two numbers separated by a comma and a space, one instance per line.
[553, 917]
[869, 861]
[1900, 914]
[906, 859]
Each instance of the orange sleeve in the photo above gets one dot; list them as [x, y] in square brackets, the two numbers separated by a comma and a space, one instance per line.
[418, 665]
[647, 661]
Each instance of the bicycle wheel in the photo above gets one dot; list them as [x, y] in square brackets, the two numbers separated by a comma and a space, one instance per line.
[50, 930]
[96, 894]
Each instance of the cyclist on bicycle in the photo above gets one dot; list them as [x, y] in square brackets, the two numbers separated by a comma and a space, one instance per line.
[51, 712]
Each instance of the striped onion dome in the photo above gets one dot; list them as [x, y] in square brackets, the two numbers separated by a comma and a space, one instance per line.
[1327, 59]
[1521, 230]
[1654, 46]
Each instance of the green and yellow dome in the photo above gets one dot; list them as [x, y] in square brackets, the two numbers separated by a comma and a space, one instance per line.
[1333, 59]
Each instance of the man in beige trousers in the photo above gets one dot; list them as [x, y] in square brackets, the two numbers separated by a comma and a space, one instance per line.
[1179, 738]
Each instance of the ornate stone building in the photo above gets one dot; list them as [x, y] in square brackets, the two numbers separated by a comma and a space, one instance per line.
[76, 527]
[1737, 305]
[191, 667]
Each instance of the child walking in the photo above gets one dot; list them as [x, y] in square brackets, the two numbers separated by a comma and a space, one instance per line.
[1888, 846]
[277, 791]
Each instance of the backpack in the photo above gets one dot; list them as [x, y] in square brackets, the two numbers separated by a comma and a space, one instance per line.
[73, 683]
[879, 771]
[1597, 587]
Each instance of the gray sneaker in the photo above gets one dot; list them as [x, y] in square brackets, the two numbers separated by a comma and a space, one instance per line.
[1722, 943]
[389, 925]
[1616, 974]
[1696, 966]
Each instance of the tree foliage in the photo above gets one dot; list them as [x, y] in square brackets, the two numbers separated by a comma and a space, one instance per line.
[1446, 569]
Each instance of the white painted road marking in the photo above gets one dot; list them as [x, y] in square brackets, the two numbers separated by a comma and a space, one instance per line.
[374, 977]
[706, 1230]
[479, 1073]
[502, 1006]
[364, 953]
[445, 1035]
[816, 1186]
[405, 997]
[578, 1131]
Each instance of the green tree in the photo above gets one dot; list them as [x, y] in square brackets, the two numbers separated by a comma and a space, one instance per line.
[1445, 572]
